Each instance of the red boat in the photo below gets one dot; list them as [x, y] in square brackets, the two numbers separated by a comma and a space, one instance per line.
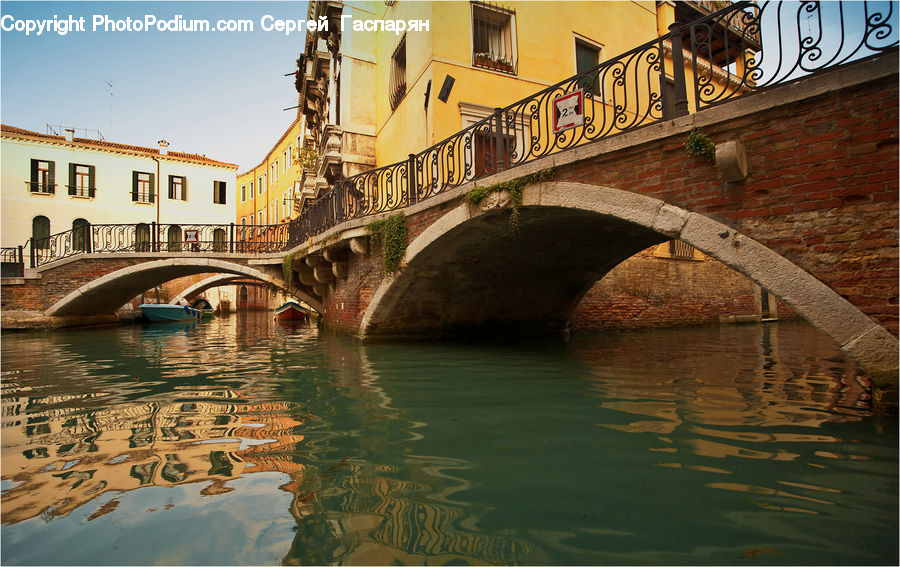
[291, 311]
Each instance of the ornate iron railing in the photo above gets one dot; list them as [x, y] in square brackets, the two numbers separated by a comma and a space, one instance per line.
[758, 46]
[150, 238]
[725, 52]
[741, 49]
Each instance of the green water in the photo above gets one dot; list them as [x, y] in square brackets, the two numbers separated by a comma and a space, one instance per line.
[239, 441]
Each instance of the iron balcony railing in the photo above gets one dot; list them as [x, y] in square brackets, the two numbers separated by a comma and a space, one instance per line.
[742, 49]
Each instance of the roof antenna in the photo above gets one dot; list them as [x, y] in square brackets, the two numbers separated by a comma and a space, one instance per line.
[110, 91]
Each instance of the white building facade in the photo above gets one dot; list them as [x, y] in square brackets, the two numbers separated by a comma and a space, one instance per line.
[53, 184]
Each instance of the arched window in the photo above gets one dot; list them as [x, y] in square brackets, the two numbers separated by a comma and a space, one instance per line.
[142, 238]
[173, 237]
[81, 235]
[219, 244]
[40, 233]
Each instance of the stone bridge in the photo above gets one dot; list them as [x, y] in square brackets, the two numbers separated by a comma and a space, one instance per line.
[803, 200]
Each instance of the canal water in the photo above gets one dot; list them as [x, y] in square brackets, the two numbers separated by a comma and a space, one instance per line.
[240, 441]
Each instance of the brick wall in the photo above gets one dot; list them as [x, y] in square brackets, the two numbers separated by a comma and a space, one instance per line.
[648, 291]
[822, 189]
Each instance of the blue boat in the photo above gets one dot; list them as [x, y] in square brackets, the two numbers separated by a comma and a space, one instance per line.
[167, 312]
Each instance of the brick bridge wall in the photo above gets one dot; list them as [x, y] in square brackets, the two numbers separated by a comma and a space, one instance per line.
[822, 189]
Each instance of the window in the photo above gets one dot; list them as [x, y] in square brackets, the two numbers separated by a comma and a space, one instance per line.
[219, 192]
[398, 73]
[40, 233]
[178, 187]
[143, 187]
[259, 185]
[81, 235]
[493, 37]
[284, 160]
[587, 56]
[251, 188]
[81, 180]
[274, 168]
[288, 155]
[244, 192]
[42, 177]
[681, 250]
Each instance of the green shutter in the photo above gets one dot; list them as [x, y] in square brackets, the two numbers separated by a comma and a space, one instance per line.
[52, 170]
[92, 180]
[134, 185]
[34, 176]
[152, 187]
[171, 186]
[72, 179]
[184, 188]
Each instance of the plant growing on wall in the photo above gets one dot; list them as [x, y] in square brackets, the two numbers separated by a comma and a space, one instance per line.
[287, 270]
[392, 232]
[514, 187]
[699, 145]
[307, 157]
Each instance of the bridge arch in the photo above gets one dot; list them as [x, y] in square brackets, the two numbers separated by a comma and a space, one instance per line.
[109, 292]
[467, 272]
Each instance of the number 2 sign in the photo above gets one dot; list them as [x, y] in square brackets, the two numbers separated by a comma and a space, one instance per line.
[568, 111]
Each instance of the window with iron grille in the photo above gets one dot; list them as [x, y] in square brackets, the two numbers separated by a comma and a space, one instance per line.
[681, 250]
[493, 37]
[398, 73]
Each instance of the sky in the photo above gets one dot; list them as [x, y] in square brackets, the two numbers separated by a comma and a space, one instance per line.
[221, 94]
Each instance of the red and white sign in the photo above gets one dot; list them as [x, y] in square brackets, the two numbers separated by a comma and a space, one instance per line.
[191, 236]
[568, 111]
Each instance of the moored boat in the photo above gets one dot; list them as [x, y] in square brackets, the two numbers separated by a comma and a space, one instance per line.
[291, 311]
[204, 307]
[160, 312]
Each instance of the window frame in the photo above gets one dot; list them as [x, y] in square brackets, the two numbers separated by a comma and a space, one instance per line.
[137, 182]
[173, 193]
[398, 87]
[43, 181]
[507, 64]
[82, 180]
[597, 89]
[220, 193]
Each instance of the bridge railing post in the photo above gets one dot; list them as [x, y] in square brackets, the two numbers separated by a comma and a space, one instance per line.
[412, 180]
[231, 237]
[499, 140]
[21, 257]
[154, 237]
[680, 104]
[31, 252]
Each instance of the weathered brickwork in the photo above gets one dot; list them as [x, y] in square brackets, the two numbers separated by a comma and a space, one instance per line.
[822, 189]
[648, 291]
[349, 297]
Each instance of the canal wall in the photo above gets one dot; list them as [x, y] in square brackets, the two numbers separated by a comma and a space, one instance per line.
[654, 290]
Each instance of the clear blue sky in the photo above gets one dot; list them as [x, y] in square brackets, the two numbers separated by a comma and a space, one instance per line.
[218, 93]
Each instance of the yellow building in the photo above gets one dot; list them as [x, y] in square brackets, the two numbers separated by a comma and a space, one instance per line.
[265, 192]
[371, 93]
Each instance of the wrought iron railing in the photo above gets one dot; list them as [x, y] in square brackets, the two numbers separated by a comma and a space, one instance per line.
[759, 46]
[151, 238]
[742, 49]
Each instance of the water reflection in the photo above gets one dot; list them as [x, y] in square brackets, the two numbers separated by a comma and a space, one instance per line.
[693, 446]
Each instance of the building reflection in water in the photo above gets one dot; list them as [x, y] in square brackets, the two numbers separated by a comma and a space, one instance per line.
[166, 411]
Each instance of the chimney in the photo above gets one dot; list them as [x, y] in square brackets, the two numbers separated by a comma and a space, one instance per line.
[70, 134]
[163, 147]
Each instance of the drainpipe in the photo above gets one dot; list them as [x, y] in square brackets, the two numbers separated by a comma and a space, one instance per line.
[156, 159]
